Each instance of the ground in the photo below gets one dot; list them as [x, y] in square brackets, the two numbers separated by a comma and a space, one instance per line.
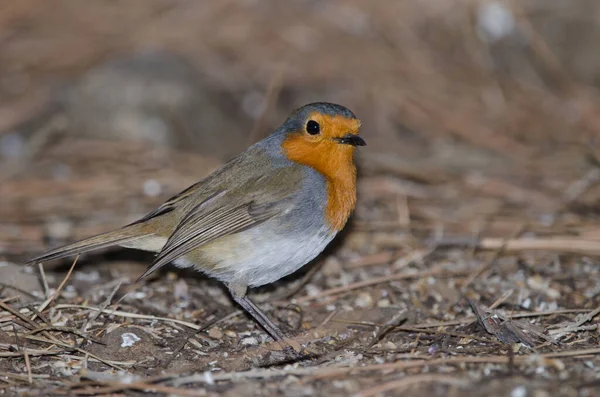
[470, 266]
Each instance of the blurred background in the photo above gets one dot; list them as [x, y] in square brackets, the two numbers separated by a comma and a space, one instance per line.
[482, 120]
[473, 110]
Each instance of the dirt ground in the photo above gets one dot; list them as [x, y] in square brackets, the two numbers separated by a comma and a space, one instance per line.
[470, 266]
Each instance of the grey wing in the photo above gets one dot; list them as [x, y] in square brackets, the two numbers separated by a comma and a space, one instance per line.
[218, 216]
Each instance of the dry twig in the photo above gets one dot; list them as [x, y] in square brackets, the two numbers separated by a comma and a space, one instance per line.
[60, 287]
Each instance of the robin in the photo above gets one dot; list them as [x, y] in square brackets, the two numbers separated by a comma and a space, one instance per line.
[263, 215]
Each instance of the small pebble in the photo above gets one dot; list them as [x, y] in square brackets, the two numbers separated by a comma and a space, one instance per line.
[383, 303]
[231, 334]
[129, 339]
[519, 391]
[215, 333]
[364, 300]
[249, 341]
[432, 350]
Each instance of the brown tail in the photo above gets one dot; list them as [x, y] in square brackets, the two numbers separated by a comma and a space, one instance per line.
[128, 233]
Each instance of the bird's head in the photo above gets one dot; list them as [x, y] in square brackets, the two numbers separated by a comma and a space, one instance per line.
[323, 136]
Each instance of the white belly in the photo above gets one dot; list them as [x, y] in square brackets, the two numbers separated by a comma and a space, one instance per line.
[255, 257]
[260, 257]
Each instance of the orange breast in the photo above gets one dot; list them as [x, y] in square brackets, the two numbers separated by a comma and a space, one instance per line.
[341, 200]
[336, 163]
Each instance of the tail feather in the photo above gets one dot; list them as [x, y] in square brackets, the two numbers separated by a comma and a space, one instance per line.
[104, 240]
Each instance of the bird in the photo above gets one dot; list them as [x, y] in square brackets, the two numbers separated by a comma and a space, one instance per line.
[261, 216]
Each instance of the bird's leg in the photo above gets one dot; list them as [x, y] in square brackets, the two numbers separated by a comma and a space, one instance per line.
[260, 317]
[238, 292]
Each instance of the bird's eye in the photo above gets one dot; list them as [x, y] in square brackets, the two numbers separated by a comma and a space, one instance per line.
[312, 127]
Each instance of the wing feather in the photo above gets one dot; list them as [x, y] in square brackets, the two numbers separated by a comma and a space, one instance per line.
[228, 212]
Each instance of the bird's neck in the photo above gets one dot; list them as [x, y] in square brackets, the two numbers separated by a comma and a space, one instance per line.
[336, 164]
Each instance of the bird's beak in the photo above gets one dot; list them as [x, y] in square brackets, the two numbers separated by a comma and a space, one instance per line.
[351, 139]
